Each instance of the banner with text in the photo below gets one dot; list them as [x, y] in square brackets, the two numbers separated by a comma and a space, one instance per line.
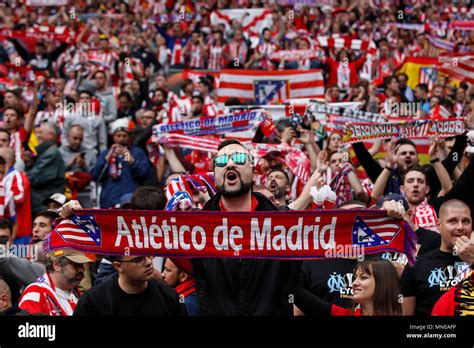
[295, 235]
[411, 129]
[209, 125]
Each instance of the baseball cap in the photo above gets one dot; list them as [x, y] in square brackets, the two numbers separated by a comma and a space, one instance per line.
[122, 124]
[393, 197]
[70, 254]
[57, 197]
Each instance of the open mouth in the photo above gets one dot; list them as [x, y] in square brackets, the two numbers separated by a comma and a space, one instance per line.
[273, 186]
[231, 177]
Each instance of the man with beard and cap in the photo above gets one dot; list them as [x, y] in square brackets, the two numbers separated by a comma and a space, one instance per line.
[279, 184]
[121, 168]
[56, 292]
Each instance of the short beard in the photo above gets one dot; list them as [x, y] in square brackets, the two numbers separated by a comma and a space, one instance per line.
[280, 193]
[243, 189]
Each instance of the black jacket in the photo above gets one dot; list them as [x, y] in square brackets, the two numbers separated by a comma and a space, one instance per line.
[244, 286]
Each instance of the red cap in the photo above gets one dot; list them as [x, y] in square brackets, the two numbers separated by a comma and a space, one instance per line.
[183, 263]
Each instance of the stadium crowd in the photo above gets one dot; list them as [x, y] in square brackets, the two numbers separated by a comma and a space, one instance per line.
[83, 83]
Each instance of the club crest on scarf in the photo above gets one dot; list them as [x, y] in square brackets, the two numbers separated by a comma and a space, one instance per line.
[82, 230]
[269, 90]
[373, 232]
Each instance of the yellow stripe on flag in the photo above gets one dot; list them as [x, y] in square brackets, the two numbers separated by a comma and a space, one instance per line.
[33, 142]
[412, 67]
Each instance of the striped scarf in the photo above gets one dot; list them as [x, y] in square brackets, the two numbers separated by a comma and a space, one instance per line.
[340, 184]
[425, 216]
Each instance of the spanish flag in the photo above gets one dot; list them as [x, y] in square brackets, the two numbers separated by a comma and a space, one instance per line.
[420, 70]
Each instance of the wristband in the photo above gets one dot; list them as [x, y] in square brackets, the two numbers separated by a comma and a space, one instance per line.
[434, 160]
[388, 168]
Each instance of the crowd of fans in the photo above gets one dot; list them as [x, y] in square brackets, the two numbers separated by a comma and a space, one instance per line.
[77, 112]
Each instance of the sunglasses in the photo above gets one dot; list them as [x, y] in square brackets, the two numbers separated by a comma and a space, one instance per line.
[237, 157]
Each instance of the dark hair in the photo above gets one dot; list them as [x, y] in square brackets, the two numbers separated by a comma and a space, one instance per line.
[403, 74]
[206, 81]
[232, 101]
[387, 288]
[344, 204]
[230, 142]
[51, 215]
[3, 130]
[404, 141]
[148, 198]
[414, 169]
[18, 112]
[99, 72]
[163, 91]
[5, 224]
[280, 169]
[86, 91]
[126, 95]
[14, 92]
[186, 82]
[423, 86]
[387, 80]
[283, 123]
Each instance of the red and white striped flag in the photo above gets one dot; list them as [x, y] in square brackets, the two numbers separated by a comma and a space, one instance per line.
[459, 66]
[82, 230]
[252, 20]
[270, 86]
[462, 25]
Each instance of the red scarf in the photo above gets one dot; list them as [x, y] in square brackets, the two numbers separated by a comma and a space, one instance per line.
[258, 234]
[187, 288]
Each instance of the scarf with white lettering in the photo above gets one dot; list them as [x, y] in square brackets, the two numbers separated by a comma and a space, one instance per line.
[258, 234]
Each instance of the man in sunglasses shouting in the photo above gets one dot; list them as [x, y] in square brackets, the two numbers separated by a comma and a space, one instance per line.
[241, 286]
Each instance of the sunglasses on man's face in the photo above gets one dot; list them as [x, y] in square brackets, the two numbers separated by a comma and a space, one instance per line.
[237, 157]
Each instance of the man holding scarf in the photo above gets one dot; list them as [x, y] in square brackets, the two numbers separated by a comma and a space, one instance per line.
[241, 286]
[121, 168]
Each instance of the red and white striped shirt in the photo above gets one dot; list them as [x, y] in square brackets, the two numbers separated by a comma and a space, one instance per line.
[195, 56]
[7, 207]
[216, 58]
[17, 186]
[176, 55]
[16, 141]
[238, 52]
[266, 49]
[43, 297]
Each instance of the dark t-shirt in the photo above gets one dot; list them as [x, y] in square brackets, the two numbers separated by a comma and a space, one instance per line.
[428, 240]
[434, 273]
[108, 298]
[330, 279]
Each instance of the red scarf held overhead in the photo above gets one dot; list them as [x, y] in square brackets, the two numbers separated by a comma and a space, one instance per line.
[272, 235]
